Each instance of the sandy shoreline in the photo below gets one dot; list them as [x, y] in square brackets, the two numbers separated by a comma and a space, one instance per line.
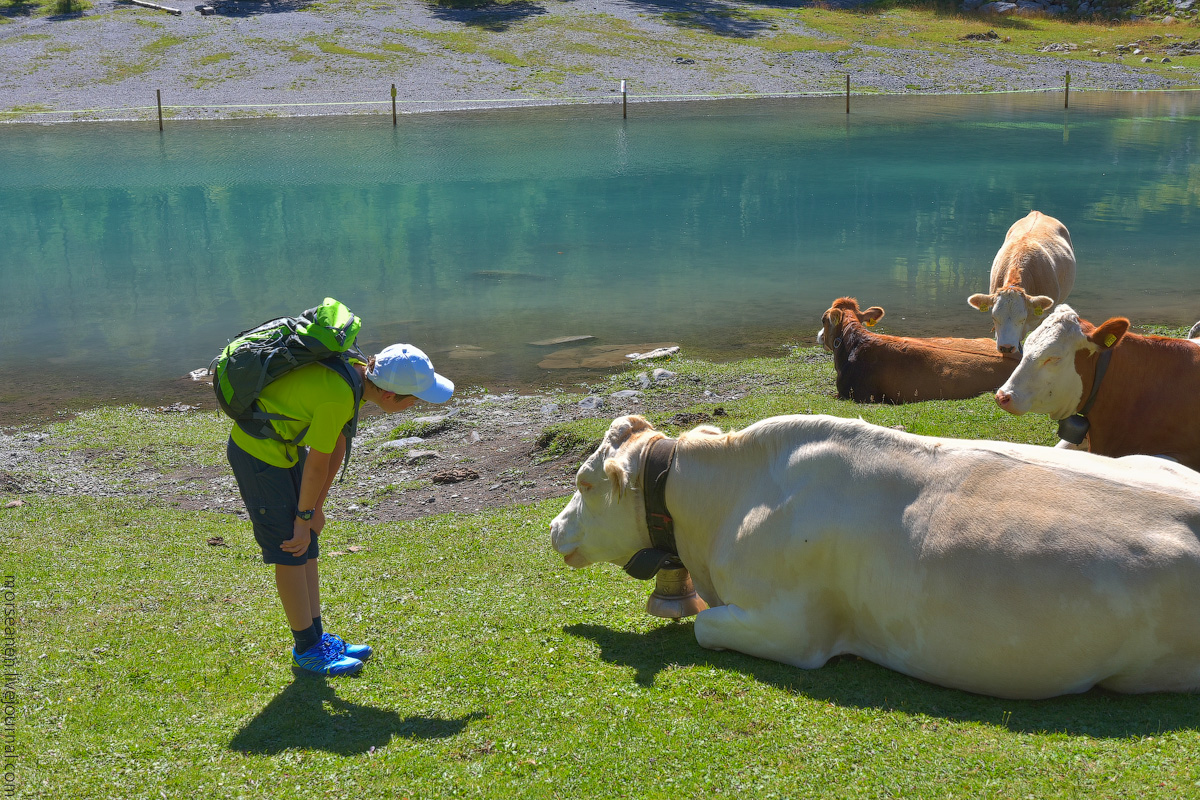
[114, 60]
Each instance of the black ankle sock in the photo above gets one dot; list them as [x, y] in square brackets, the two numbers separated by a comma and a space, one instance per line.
[317, 625]
[306, 638]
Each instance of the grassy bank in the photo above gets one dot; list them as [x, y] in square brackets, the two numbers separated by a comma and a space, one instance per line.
[152, 663]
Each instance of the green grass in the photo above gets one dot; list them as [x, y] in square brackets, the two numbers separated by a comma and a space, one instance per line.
[214, 58]
[155, 665]
[934, 27]
[163, 44]
[27, 109]
[160, 440]
[329, 47]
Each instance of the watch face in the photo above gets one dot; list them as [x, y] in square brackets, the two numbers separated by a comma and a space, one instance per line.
[305, 514]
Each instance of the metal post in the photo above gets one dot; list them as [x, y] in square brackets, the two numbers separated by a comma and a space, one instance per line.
[624, 101]
[847, 92]
[158, 97]
[393, 105]
[1067, 91]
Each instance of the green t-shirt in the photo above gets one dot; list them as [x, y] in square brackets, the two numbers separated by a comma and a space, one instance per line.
[313, 395]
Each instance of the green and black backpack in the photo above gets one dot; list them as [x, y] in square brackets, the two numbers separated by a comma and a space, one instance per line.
[322, 335]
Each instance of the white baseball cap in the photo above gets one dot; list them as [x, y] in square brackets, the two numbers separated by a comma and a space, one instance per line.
[404, 369]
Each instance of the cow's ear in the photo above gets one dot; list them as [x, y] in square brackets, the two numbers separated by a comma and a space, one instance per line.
[624, 427]
[1041, 303]
[1108, 334]
[871, 316]
[639, 423]
[982, 302]
[617, 475]
[835, 317]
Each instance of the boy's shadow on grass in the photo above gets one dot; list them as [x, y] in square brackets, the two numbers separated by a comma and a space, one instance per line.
[308, 715]
[851, 681]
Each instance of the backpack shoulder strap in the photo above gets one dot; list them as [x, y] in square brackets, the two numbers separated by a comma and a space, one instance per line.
[342, 366]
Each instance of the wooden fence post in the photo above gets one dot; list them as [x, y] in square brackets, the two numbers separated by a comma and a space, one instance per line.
[624, 101]
[158, 98]
[393, 105]
[847, 92]
[1067, 91]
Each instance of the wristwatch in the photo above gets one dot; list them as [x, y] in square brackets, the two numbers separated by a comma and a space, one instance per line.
[305, 515]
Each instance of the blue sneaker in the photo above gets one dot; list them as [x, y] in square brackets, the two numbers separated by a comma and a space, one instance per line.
[360, 651]
[325, 658]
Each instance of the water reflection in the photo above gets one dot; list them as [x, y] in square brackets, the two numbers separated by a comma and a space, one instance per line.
[726, 227]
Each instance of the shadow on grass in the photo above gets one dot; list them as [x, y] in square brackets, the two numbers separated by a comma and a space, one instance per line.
[713, 16]
[18, 8]
[491, 15]
[851, 681]
[308, 715]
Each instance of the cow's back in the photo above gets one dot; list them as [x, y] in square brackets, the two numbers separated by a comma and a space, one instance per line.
[1037, 255]
[1147, 400]
[872, 368]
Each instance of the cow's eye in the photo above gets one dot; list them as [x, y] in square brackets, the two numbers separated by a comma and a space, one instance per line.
[1050, 360]
[583, 485]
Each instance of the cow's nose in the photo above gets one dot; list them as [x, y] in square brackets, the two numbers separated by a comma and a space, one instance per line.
[1003, 399]
[1006, 348]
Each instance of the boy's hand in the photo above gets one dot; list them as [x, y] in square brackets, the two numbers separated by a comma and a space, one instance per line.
[301, 537]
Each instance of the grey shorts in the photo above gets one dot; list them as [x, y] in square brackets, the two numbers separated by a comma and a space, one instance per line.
[270, 494]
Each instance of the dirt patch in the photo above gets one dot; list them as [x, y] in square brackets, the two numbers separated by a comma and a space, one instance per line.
[476, 453]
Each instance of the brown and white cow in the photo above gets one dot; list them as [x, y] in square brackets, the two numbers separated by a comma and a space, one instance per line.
[1145, 403]
[1033, 270]
[877, 368]
[814, 536]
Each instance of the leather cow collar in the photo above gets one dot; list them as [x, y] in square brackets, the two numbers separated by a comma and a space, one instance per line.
[663, 554]
[1074, 428]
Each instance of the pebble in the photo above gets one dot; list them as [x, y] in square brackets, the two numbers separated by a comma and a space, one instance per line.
[394, 444]
[591, 403]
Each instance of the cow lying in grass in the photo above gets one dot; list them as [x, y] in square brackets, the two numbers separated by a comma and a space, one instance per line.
[1144, 402]
[813, 536]
[877, 368]
[1033, 270]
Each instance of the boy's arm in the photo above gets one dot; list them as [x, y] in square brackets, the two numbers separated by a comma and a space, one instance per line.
[319, 471]
[335, 463]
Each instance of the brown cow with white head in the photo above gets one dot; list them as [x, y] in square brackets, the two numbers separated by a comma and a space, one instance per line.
[1128, 393]
[1033, 270]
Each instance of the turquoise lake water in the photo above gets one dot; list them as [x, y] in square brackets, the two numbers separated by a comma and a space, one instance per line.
[129, 257]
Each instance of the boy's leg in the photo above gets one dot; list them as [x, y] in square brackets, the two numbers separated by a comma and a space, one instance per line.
[312, 575]
[360, 651]
[294, 585]
[270, 495]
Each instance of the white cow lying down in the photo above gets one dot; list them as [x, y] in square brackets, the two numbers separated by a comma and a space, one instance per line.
[1010, 570]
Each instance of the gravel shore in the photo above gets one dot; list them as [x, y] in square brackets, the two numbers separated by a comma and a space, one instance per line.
[478, 451]
[298, 58]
